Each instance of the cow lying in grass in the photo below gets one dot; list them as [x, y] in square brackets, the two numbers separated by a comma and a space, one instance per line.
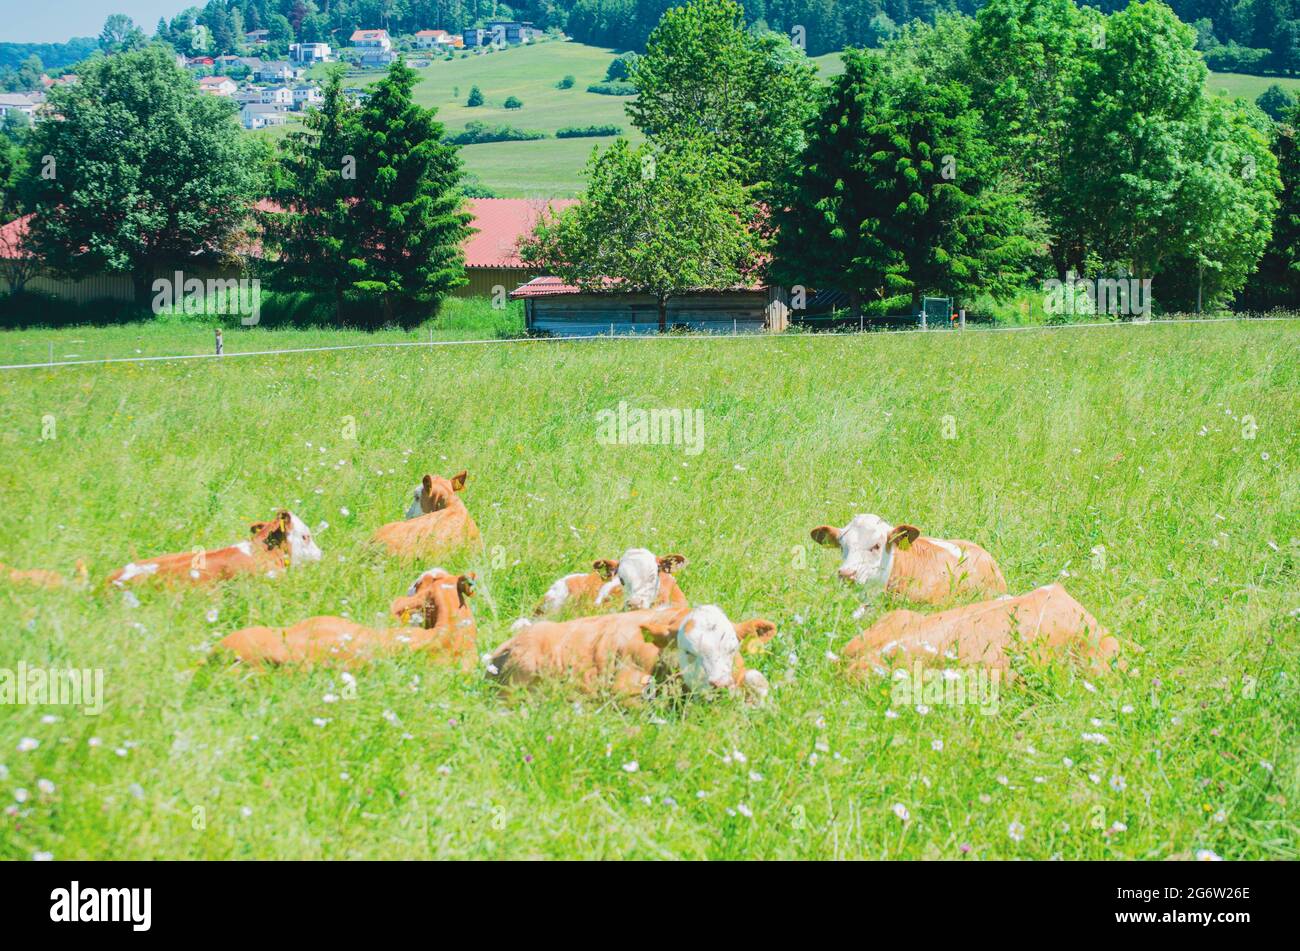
[444, 522]
[906, 563]
[637, 580]
[1042, 624]
[627, 653]
[446, 634]
[284, 540]
[39, 577]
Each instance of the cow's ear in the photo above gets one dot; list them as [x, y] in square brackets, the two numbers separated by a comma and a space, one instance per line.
[257, 528]
[658, 633]
[755, 632]
[427, 483]
[903, 536]
[670, 563]
[458, 480]
[465, 586]
[606, 567]
[827, 535]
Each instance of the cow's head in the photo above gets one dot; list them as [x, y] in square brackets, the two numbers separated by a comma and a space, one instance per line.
[867, 545]
[434, 598]
[288, 533]
[708, 645]
[638, 574]
[436, 492]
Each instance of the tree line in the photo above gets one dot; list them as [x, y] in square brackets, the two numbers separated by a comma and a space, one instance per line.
[1258, 36]
[971, 157]
[1036, 141]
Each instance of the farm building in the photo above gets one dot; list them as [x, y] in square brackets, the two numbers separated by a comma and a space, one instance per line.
[558, 309]
[492, 262]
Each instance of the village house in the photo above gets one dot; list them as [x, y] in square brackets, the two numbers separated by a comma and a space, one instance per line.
[373, 47]
[306, 95]
[308, 53]
[257, 115]
[19, 102]
[279, 96]
[434, 39]
[218, 85]
[257, 37]
[196, 63]
[280, 71]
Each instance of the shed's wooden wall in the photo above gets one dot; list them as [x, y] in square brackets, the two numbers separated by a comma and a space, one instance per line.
[569, 315]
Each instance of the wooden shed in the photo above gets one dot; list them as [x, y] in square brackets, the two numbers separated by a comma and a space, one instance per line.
[556, 309]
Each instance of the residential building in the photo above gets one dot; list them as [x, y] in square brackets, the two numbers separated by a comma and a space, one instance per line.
[218, 85]
[372, 40]
[257, 37]
[280, 71]
[433, 39]
[24, 102]
[306, 95]
[256, 115]
[281, 96]
[310, 52]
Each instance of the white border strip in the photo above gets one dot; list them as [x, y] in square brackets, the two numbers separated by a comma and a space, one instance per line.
[653, 336]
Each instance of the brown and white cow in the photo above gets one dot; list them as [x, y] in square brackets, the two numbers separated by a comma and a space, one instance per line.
[446, 634]
[444, 524]
[39, 577]
[1041, 624]
[907, 563]
[637, 580]
[273, 545]
[625, 653]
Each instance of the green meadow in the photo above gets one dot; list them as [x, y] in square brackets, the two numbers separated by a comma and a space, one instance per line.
[1151, 469]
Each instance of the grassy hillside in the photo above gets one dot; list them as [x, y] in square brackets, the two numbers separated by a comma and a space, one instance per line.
[1130, 441]
[1248, 87]
[547, 167]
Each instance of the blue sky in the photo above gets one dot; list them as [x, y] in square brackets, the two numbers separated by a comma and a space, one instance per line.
[56, 21]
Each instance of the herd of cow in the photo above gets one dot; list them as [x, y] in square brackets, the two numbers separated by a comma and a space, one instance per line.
[638, 630]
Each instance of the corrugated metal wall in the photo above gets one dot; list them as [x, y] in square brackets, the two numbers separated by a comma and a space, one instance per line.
[483, 279]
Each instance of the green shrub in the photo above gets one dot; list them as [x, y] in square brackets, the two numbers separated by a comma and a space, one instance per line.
[514, 102]
[475, 97]
[587, 131]
[476, 133]
[613, 89]
[566, 83]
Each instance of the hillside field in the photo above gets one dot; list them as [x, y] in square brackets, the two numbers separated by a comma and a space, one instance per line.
[1151, 469]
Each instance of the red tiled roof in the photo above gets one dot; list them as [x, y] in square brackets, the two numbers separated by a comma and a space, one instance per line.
[501, 223]
[11, 237]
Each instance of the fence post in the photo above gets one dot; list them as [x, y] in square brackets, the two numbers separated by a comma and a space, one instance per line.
[963, 318]
[734, 329]
[51, 353]
[924, 326]
[220, 346]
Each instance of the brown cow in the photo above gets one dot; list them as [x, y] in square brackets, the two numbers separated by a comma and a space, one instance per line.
[447, 634]
[899, 557]
[1044, 622]
[445, 524]
[625, 653]
[284, 540]
[637, 580]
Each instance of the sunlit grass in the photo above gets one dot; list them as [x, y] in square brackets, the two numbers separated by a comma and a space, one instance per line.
[1130, 440]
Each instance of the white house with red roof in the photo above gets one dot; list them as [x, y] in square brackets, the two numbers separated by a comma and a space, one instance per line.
[433, 39]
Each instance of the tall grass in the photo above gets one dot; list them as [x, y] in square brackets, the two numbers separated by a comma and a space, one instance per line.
[1150, 469]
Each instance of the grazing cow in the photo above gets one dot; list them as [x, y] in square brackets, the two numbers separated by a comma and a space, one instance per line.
[637, 580]
[1044, 622]
[444, 524]
[446, 634]
[284, 540]
[39, 577]
[625, 653]
[905, 562]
